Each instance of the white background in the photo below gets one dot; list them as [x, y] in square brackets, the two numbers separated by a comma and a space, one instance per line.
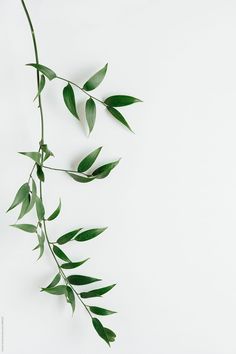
[170, 204]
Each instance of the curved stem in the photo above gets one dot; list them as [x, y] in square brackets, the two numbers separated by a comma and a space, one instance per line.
[63, 170]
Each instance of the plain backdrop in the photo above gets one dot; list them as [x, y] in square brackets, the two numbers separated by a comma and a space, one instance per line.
[170, 204]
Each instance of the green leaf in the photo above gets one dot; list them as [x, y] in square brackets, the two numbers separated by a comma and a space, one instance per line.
[58, 290]
[72, 265]
[89, 234]
[41, 240]
[69, 99]
[24, 207]
[89, 160]
[97, 292]
[40, 173]
[36, 156]
[46, 151]
[81, 280]
[81, 179]
[120, 100]
[26, 227]
[68, 236]
[22, 193]
[40, 208]
[116, 114]
[90, 111]
[100, 330]
[50, 74]
[60, 254]
[96, 79]
[33, 195]
[55, 281]
[41, 86]
[100, 311]
[104, 171]
[71, 297]
[110, 334]
[55, 214]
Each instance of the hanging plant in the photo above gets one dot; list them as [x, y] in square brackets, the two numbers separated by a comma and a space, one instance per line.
[30, 194]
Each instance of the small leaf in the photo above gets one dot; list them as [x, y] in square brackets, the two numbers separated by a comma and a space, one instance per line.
[46, 151]
[104, 171]
[71, 297]
[68, 236]
[55, 281]
[36, 156]
[120, 100]
[81, 280]
[89, 234]
[116, 114]
[90, 111]
[41, 86]
[50, 74]
[58, 290]
[97, 292]
[96, 79]
[40, 208]
[40, 173]
[72, 265]
[100, 330]
[60, 254]
[41, 239]
[69, 99]
[110, 334]
[24, 207]
[33, 195]
[26, 227]
[81, 179]
[55, 214]
[100, 311]
[89, 160]
[22, 193]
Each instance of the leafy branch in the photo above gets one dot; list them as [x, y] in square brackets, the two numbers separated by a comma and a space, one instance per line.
[30, 195]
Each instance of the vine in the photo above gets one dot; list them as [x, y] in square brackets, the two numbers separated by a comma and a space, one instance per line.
[30, 195]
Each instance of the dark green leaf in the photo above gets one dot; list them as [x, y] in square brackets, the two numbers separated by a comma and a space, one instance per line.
[46, 151]
[81, 280]
[22, 193]
[33, 195]
[40, 173]
[71, 297]
[60, 254]
[41, 240]
[40, 208]
[100, 311]
[55, 213]
[89, 160]
[90, 111]
[50, 74]
[41, 86]
[72, 265]
[100, 330]
[55, 281]
[120, 100]
[116, 114]
[89, 234]
[58, 290]
[110, 334]
[81, 179]
[26, 227]
[96, 79]
[68, 236]
[36, 156]
[97, 292]
[69, 99]
[104, 171]
[24, 207]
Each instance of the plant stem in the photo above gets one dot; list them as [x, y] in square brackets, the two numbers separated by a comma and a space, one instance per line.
[63, 170]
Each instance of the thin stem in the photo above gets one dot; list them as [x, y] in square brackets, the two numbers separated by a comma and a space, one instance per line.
[63, 170]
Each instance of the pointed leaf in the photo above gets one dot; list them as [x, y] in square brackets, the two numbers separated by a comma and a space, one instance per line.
[24, 207]
[55, 214]
[89, 160]
[90, 111]
[100, 330]
[116, 114]
[104, 171]
[36, 156]
[40, 208]
[81, 280]
[81, 179]
[46, 151]
[120, 100]
[58, 290]
[22, 193]
[41, 239]
[97, 292]
[72, 265]
[55, 281]
[71, 297]
[96, 79]
[110, 334]
[89, 234]
[26, 227]
[40, 173]
[41, 86]
[68, 236]
[33, 195]
[69, 99]
[50, 74]
[100, 311]
[60, 254]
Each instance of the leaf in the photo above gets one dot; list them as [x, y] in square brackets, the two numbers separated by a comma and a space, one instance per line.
[22, 193]
[50, 74]
[41, 239]
[97, 292]
[41, 86]
[81, 179]
[26, 227]
[104, 171]
[100, 330]
[89, 234]
[60, 254]
[58, 290]
[55, 281]
[40, 208]
[89, 160]
[116, 114]
[68, 236]
[72, 265]
[69, 99]
[55, 214]
[46, 151]
[24, 207]
[90, 111]
[36, 156]
[100, 311]
[110, 334]
[71, 297]
[33, 195]
[96, 79]
[120, 100]
[40, 173]
[81, 280]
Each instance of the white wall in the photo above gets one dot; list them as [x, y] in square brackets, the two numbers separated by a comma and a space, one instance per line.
[170, 205]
